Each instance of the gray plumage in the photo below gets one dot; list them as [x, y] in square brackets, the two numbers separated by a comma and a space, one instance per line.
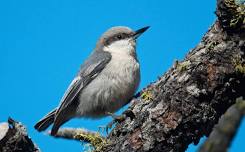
[106, 81]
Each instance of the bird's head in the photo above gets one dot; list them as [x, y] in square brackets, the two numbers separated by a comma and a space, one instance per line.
[120, 40]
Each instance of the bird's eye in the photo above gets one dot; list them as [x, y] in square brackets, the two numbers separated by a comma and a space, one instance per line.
[119, 37]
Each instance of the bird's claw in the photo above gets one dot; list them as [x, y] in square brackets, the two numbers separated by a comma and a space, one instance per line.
[119, 118]
[116, 119]
[106, 128]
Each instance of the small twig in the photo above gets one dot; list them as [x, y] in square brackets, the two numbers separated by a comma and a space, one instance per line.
[94, 139]
[72, 133]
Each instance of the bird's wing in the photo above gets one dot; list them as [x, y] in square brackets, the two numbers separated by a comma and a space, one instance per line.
[89, 70]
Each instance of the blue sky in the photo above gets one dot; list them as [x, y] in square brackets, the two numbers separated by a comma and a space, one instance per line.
[43, 43]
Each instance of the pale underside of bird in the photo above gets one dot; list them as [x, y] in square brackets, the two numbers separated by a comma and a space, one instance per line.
[105, 82]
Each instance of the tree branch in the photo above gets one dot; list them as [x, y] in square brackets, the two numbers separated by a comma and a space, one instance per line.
[14, 138]
[76, 134]
[225, 130]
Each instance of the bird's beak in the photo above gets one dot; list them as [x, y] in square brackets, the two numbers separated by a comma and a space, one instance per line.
[139, 32]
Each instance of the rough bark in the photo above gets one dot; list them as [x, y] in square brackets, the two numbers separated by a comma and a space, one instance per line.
[187, 101]
[14, 138]
[225, 130]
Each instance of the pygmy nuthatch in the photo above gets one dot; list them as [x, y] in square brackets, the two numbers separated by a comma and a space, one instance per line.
[106, 81]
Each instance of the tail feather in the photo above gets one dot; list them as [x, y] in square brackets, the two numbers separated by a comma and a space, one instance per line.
[61, 118]
[55, 129]
[45, 122]
[58, 121]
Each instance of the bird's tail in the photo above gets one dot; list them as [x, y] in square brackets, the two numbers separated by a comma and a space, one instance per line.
[45, 122]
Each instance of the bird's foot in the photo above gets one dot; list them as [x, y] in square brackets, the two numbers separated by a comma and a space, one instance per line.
[118, 118]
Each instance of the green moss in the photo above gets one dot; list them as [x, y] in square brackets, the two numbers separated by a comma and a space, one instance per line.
[211, 46]
[239, 65]
[240, 103]
[183, 66]
[95, 141]
[147, 95]
[240, 68]
[237, 14]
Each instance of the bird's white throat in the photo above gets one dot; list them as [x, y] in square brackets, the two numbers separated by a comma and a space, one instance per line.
[123, 47]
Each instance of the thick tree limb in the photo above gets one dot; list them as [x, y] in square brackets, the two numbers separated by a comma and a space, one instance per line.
[14, 138]
[225, 130]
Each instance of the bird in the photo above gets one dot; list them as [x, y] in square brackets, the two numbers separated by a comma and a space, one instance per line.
[106, 81]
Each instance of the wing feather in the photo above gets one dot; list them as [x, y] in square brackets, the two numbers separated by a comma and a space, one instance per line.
[89, 70]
